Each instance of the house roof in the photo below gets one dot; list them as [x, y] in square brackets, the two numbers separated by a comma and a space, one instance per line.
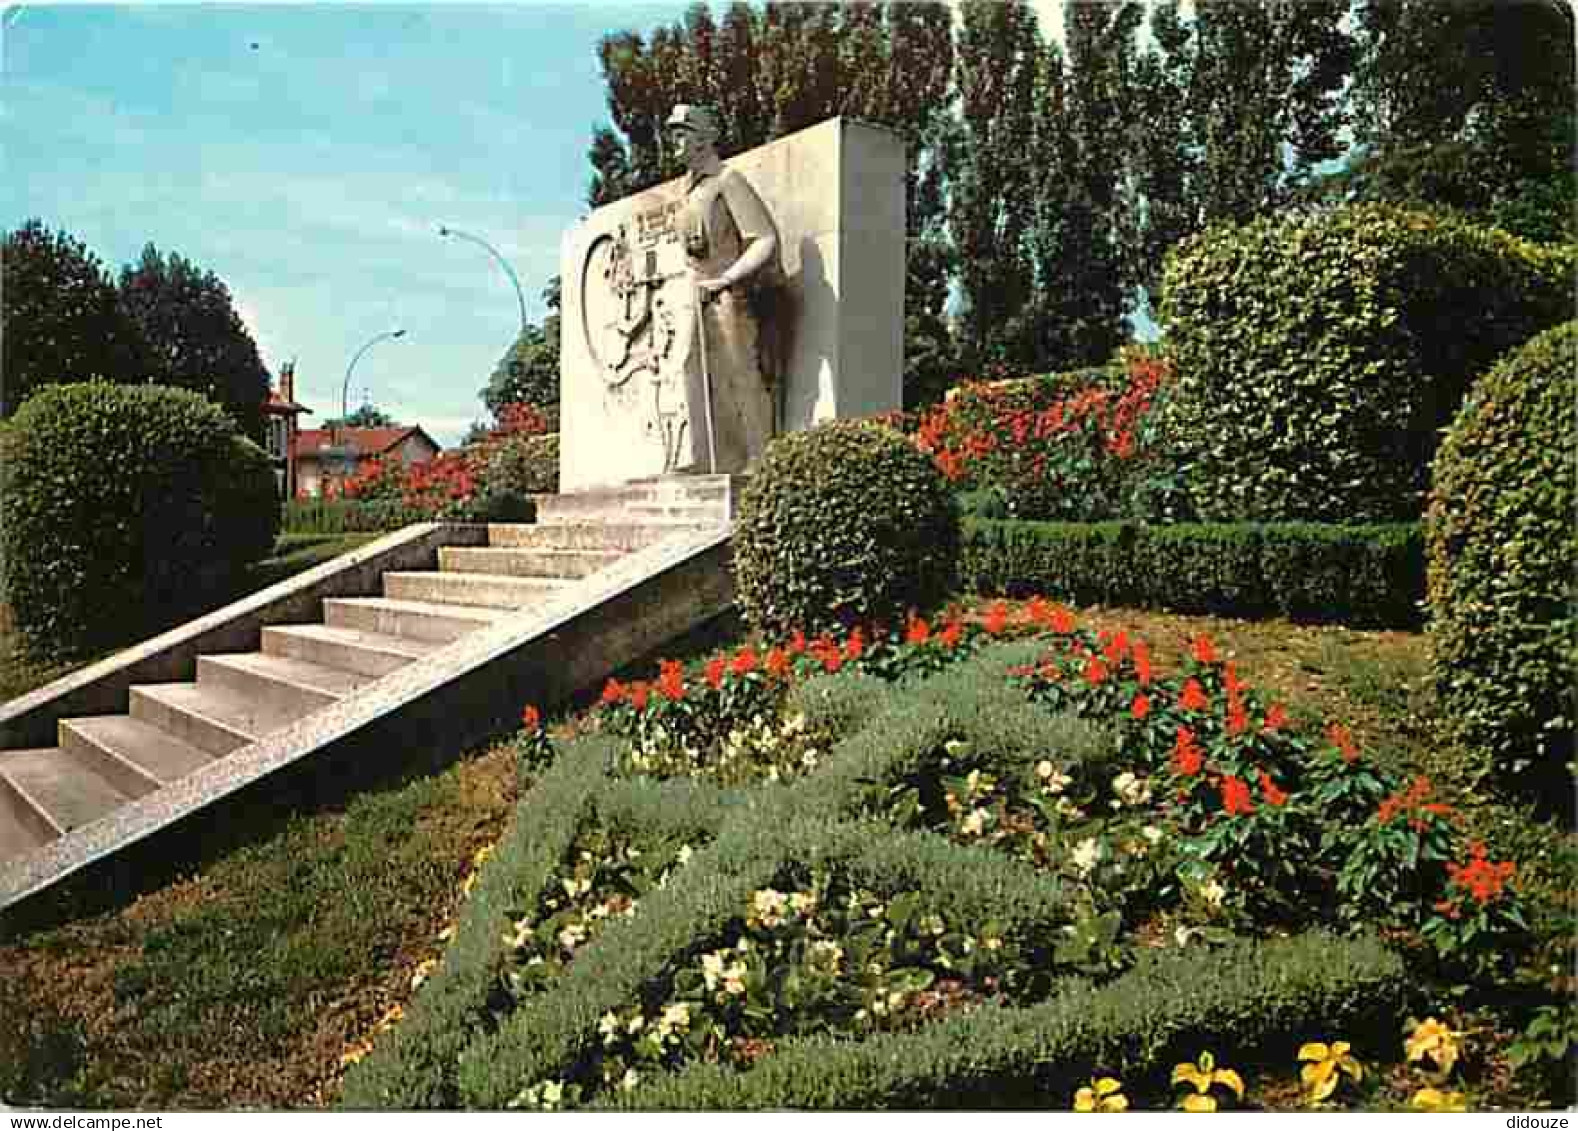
[364, 441]
[278, 404]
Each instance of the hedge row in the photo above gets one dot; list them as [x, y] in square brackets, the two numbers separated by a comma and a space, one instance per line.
[1242, 997]
[347, 516]
[414, 1065]
[683, 919]
[1358, 575]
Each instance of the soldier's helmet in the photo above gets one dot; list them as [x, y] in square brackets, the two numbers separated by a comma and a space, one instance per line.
[697, 119]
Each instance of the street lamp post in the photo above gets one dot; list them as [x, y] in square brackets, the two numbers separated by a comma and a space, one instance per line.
[520, 297]
[347, 458]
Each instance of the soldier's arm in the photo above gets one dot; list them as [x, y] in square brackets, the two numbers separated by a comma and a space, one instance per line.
[758, 234]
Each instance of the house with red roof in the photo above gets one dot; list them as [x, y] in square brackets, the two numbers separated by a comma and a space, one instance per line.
[324, 454]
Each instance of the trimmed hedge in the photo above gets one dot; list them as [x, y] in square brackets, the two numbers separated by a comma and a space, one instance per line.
[414, 1065]
[1319, 354]
[1240, 997]
[126, 508]
[348, 516]
[1502, 544]
[1358, 575]
[526, 465]
[844, 524]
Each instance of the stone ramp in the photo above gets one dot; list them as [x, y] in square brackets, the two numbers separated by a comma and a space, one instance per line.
[439, 658]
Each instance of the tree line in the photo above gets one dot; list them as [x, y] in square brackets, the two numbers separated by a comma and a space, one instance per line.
[1047, 179]
[165, 321]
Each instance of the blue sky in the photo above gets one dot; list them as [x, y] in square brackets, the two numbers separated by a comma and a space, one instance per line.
[312, 171]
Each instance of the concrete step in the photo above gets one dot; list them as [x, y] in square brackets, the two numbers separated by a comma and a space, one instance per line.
[23, 825]
[606, 502]
[365, 653]
[215, 719]
[610, 535]
[712, 514]
[525, 563]
[294, 686]
[134, 755]
[488, 590]
[68, 790]
[416, 620]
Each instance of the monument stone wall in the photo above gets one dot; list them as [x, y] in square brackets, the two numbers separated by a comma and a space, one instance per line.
[836, 195]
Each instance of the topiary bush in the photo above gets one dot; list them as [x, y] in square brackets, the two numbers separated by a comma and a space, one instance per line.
[845, 523]
[126, 508]
[1501, 546]
[1318, 355]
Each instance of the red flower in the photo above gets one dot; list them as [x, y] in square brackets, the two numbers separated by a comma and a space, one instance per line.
[671, 680]
[797, 643]
[1235, 797]
[1230, 680]
[637, 694]
[1483, 879]
[1193, 698]
[613, 692]
[778, 663]
[1343, 741]
[1187, 759]
[744, 661]
[1095, 671]
[917, 631]
[715, 670]
[996, 618]
[855, 646]
[1142, 663]
[1061, 621]
[1204, 651]
[1115, 645]
[951, 635]
[1237, 717]
[1276, 718]
[1141, 706]
[531, 719]
[1268, 789]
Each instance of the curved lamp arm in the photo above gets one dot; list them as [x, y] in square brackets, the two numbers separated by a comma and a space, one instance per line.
[520, 296]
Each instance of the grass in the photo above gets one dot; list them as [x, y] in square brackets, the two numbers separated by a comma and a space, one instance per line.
[246, 983]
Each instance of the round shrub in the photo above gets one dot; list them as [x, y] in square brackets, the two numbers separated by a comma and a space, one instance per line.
[1318, 355]
[126, 508]
[846, 523]
[1501, 546]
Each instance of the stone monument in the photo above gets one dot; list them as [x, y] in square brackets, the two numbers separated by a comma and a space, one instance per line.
[753, 296]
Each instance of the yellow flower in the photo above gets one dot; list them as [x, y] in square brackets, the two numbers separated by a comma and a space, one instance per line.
[1428, 1099]
[1102, 1095]
[1431, 1038]
[423, 971]
[1328, 1064]
[1202, 1076]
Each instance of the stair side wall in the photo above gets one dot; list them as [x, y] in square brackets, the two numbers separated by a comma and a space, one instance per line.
[101, 688]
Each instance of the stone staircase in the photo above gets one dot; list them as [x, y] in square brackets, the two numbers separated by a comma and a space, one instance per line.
[170, 731]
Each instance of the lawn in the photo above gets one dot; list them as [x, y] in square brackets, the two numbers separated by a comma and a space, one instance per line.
[309, 942]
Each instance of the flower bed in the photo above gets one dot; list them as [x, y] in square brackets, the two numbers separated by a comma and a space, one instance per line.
[937, 862]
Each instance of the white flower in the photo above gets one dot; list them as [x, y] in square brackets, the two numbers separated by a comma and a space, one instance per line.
[794, 724]
[608, 1026]
[1213, 893]
[1131, 789]
[572, 936]
[711, 969]
[685, 853]
[975, 823]
[803, 902]
[676, 1016]
[631, 1079]
[1087, 853]
[767, 907]
[635, 1024]
[826, 954]
[808, 759]
[1152, 834]
[1183, 934]
[1053, 780]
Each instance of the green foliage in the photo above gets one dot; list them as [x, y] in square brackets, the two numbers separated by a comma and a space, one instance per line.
[1501, 547]
[367, 416]
[1318, 355]
[1355, 575]
[125, 508]
[1036, 1056]
[843, 524]
[63, 320]
[526, 465]
[347, 516]
[528, 373]
[195, 338]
